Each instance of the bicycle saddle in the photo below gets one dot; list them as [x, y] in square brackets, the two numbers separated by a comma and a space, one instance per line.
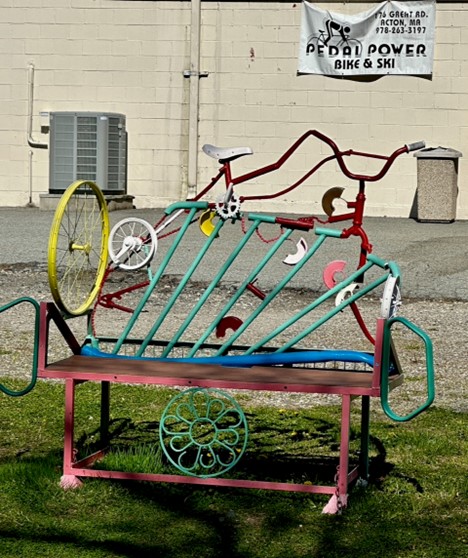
[226, 154]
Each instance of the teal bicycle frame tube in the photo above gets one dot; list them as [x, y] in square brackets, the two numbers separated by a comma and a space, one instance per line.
[224, 268]
[322, 231]
[185, 205]
[386, 370]
[33, 380]
[272, 295]
[391, 266]
[326, 296]
[371, 260]
[251, 277]
[193, 208]
[180, 287]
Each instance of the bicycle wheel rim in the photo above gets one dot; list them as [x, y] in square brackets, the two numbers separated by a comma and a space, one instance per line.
[77, 254]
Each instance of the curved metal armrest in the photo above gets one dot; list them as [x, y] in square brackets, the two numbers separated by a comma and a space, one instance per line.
[386, 369]
[32, 382]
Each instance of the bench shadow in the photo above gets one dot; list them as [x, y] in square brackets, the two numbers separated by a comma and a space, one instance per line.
[274, 453]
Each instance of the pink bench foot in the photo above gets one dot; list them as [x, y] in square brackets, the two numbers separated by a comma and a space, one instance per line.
[336, 504]
[68, 482]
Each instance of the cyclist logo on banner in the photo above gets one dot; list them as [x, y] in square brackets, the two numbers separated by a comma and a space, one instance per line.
[392, 38]
[335, 38]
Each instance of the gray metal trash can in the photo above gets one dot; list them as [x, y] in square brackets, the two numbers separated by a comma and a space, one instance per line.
[437, 184]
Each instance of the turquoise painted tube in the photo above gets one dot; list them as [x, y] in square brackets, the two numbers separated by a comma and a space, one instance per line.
[322, 231]
[222, 271]
[32, 381]
[185, 205]
[180, 287]
[334, 312]
[251, 277]
[262, 218]
[157, 276]
[386, 370]
[390, 265]
[320, 300]
[272, 294]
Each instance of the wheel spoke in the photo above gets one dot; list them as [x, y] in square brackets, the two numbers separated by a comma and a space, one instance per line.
[78, 247]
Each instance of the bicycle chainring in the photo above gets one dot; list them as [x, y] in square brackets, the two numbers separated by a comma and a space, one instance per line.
[230, 209]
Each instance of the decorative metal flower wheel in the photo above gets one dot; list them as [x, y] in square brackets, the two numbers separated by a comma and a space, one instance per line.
[203, 432]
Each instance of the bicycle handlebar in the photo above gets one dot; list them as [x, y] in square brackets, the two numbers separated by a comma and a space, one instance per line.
[369, 178]
[416, 146]
[337, 154]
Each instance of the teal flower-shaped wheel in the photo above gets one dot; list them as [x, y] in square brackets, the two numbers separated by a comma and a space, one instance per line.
[203, 432]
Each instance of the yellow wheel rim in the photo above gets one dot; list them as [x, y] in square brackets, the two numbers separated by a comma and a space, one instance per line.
[77, 256]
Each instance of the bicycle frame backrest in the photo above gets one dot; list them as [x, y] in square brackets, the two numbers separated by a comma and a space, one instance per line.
[233, 278]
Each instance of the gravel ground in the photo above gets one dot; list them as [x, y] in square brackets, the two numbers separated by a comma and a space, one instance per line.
[432, 257]
[444, 320]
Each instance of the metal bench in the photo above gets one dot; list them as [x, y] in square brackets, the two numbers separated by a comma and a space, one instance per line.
[191, 355]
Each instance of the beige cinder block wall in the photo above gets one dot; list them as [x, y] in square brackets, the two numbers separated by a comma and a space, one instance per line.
[129, 57]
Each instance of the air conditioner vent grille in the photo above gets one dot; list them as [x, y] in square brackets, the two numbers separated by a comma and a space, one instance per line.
[88, 146]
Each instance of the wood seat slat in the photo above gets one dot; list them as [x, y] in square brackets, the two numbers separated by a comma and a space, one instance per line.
[283, 378]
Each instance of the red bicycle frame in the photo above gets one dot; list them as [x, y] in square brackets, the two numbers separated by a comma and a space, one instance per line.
[357, 206]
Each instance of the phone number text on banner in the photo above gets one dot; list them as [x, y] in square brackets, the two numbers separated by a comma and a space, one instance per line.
[392, 38]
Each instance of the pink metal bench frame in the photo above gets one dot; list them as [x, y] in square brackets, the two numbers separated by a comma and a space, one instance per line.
[77, 369]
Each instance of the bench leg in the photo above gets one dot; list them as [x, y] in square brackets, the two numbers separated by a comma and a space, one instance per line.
[105, 402]
[339, 500]
[69, 480]
[364, 453]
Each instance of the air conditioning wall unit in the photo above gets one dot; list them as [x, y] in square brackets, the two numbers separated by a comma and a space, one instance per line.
[88, 146]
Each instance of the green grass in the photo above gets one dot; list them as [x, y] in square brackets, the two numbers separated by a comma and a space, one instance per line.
[415, 505]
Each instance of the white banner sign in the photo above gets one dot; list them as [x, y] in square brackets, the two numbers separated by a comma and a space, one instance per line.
[392, 38]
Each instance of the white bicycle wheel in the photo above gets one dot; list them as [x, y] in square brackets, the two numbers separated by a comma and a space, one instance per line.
[132, 243]
[391, 299]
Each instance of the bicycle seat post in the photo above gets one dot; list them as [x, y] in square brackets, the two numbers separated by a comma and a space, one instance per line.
[227, 173]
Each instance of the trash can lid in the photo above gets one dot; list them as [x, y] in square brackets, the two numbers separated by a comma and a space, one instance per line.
[438, 153]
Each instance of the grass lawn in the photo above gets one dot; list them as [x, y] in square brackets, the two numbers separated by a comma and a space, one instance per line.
[414, 506]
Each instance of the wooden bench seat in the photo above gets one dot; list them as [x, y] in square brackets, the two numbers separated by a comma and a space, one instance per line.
[269, 378]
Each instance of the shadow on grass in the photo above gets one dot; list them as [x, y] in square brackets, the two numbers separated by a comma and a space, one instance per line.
[14, 541]
[403, 512]
[273, 454]
[136, 519]
[278, 450]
